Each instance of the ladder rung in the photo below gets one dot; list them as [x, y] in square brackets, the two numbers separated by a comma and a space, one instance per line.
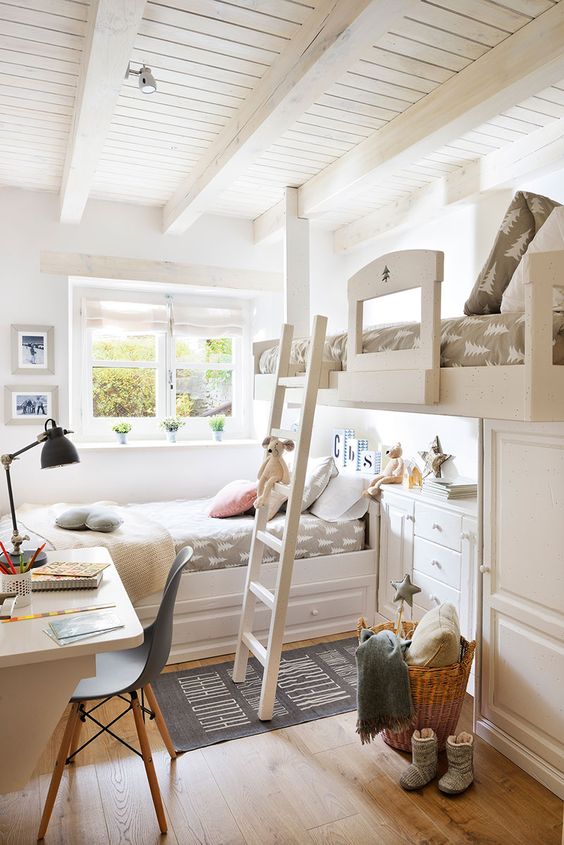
[292, 381]
[262, 593]
[283, 434]
[270, 540]
[255, 647]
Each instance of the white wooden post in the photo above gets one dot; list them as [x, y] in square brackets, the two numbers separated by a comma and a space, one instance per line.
[296, 266]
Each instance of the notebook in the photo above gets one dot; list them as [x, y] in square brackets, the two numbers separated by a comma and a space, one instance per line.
[71, 629]
[64, 582]
[67, 575]
[70, 568]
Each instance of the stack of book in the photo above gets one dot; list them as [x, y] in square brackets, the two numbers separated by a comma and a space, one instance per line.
[450, 488]
[67, 576]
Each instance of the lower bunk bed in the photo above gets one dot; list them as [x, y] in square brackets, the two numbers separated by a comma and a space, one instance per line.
[334, 579]
[335, 574]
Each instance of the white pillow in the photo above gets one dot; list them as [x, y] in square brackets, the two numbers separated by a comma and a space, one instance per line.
[319, 473]
[549, 237]
[342, 499]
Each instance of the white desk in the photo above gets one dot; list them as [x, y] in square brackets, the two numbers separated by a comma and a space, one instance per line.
[38, 677]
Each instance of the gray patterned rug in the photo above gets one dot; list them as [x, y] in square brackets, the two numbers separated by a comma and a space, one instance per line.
[203, 706]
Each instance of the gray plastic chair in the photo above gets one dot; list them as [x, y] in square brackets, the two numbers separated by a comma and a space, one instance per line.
[121, 674]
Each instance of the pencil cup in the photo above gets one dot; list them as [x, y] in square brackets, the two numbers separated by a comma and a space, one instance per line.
[19, 584]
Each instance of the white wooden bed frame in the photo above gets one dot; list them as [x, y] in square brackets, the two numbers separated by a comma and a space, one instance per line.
[413, 380]
[328, 594]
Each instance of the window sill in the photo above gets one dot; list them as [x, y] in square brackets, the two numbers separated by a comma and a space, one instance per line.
[162, 444]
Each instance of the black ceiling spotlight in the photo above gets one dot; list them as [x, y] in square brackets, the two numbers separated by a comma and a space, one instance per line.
[147, 82]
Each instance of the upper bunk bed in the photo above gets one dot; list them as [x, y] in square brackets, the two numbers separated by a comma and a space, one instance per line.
[432, 367]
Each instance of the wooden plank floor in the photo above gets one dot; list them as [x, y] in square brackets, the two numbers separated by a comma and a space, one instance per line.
[311, 784]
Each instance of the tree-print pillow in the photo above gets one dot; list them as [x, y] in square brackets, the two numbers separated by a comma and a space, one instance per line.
[521, 222]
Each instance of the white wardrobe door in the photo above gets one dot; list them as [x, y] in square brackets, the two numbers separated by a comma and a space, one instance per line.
[523, 586]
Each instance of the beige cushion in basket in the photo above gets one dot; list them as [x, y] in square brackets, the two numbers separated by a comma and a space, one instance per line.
[523, 219]
[436, 639]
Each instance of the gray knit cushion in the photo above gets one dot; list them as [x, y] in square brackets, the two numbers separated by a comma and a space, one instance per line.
[103, 519]
[74, 519]
[94, 517]
[523, 219]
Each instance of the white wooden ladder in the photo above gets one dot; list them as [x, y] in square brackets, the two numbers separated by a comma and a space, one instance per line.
[277, 601]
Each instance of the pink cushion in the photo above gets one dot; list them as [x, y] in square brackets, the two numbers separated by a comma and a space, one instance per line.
[233, 499]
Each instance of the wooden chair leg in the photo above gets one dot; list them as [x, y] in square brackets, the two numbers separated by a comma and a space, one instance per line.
[159, 720]
[58, 771]
[148, 760]
[75, 737]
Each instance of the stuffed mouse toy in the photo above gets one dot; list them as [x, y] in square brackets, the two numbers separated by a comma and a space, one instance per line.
[273, 470]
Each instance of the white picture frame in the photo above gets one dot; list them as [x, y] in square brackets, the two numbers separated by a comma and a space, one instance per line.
[26, 404]
[33, 350]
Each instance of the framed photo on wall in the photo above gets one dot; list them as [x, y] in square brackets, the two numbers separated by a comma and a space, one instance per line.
[30, 404]
[33, 350]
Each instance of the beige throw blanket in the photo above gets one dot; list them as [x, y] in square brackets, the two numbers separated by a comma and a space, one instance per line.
[142, 550]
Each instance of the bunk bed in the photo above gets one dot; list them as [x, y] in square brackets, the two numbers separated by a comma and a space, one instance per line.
[427, 368]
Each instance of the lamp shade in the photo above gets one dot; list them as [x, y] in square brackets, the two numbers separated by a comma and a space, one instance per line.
[57, 450]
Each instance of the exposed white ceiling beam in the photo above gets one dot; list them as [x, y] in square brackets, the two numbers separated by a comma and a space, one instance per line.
[164, 272]
[325, 46]
[112, 29]
[535, 155]
[269, 226]
[521, 66]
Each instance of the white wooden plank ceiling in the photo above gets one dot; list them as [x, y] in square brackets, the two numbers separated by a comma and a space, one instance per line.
[41, 43]
[208, 56]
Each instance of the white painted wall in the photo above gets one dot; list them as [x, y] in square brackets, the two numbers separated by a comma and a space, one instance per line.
[29, 225]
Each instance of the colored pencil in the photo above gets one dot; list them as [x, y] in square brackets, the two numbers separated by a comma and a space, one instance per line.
[8, 558]
[36, 554]
[58, 612]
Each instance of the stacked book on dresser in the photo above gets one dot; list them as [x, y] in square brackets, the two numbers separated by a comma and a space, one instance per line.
[447, 489]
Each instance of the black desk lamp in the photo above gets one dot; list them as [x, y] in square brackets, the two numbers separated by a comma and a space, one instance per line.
[57, 451]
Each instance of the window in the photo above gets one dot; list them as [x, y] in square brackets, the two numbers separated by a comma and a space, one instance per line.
[143, 361]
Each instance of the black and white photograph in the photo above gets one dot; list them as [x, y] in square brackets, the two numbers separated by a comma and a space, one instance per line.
[32, 349]
[25, 404]
[34, 404]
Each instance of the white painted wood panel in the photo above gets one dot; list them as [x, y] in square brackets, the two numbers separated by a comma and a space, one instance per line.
[520, 709]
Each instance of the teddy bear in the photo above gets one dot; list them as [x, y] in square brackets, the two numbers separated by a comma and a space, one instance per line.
[273, 470]
[393, 473]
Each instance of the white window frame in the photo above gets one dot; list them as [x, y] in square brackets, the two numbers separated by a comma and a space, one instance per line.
[91, 428]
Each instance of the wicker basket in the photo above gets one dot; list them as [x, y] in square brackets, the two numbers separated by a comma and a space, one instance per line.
[437, 694]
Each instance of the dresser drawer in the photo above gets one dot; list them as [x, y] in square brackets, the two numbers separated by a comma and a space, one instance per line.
[432, 593]
[438, 525]
[438, 562]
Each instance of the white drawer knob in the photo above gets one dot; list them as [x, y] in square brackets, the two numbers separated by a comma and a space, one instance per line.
[465, 535]
[433, 598]
[314, 612]
[435, 563]
[410, 518]
[436, 526]
[484, 569]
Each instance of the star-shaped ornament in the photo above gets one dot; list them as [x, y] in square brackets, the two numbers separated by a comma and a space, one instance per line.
[434, 458]
[405, 590]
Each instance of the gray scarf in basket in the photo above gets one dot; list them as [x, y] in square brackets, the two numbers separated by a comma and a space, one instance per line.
[384, 694]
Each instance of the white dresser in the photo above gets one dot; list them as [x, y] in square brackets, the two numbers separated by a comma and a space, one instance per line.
[436, 543]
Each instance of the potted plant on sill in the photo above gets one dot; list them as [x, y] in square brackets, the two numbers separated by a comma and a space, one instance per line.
[217, 424]
[171, 425]
[122, 429]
